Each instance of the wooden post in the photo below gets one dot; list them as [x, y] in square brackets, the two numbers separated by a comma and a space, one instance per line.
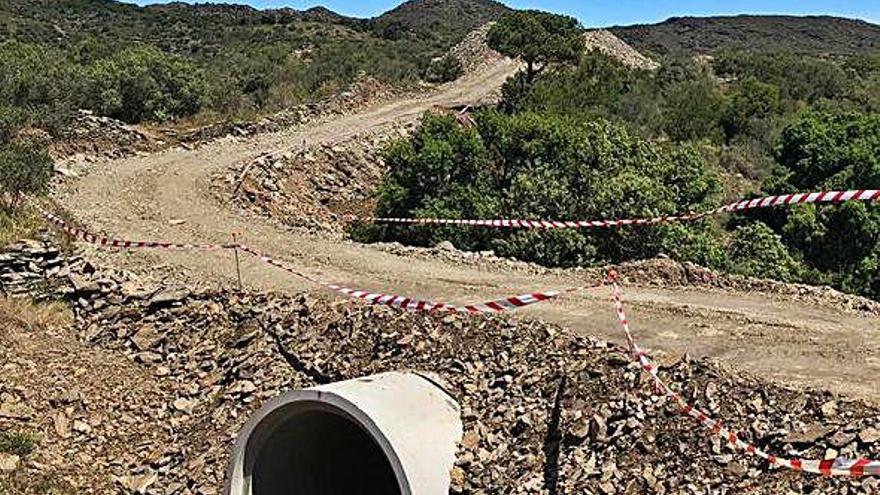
[237, 262]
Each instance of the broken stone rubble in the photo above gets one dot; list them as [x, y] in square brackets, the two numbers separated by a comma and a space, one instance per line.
[576, 417]
[312, 188]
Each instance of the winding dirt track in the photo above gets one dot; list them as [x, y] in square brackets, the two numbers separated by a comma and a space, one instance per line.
[784, 340]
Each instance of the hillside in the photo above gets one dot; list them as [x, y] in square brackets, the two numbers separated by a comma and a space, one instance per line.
[207, 28]
[173, 61]
[178, 28]
[700, 35]
[437, 22]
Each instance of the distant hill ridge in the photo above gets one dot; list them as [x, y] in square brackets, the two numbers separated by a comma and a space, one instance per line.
[437, 21]
[434, 24]
[818, 35]
[434, 21]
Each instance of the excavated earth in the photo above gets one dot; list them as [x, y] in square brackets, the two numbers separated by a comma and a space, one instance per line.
[145, 385]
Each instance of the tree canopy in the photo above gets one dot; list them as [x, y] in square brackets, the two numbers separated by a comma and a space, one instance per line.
[538, 38]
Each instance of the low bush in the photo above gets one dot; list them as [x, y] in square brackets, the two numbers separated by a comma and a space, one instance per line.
[25, 169]
[17, 443]
[539, 166]
[444, 69]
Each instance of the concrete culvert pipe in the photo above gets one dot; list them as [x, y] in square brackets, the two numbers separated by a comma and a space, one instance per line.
[387, 434]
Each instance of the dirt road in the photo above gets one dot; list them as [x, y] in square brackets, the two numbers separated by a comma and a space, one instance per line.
[785, 340]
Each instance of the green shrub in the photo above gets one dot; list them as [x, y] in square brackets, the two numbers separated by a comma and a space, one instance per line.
[38, 85]
[17, 443]
[22, 223]
[538, 166]
[823, 151]
[444, 69]
[749, 103]
[798, 77]
[564, 248]
[11, 120]
[757, 251]
[25, 169]
[143, 83]
[598, 86]
[691, 110]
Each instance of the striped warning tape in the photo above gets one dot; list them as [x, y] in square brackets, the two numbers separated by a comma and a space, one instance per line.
[747, 204]
[407, 303]
[104, 241]
[413, 304]
[827, 467]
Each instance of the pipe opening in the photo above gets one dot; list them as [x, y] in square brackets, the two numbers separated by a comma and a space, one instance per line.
[316, 450]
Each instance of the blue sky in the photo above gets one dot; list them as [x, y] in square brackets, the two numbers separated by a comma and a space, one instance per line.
[610, 12]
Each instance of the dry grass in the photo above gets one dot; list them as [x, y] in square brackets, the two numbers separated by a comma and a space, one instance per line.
[19, 224]
[26, 223]
[23, 315]
[29, 315]
[20, 483]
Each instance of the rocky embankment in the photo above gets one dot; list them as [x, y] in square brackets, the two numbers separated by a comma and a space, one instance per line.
[544, 411]
[311, 188]
[657, 272]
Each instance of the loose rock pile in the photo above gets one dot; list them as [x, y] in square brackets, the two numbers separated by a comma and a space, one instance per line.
[311, 188]
[544, 411]
[474, 53]
[616, 48]
[29, 268]
[91, 136]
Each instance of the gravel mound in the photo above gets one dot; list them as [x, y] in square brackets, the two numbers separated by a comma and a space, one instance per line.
[473, 53]
[616, 48]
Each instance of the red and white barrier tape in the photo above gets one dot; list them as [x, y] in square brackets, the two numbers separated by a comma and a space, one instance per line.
[747, 204]
[827, 467]
[412, 304]
[103, 241]
[407, 303]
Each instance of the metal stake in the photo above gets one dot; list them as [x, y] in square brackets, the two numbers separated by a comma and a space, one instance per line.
[237, 262]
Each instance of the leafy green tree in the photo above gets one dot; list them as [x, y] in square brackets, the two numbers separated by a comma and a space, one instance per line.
[25, 169]
[440, 171]
[38, 84]
[831, 151]
[749, 103]
[691, 110]
[538, 38]
[543, 166]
